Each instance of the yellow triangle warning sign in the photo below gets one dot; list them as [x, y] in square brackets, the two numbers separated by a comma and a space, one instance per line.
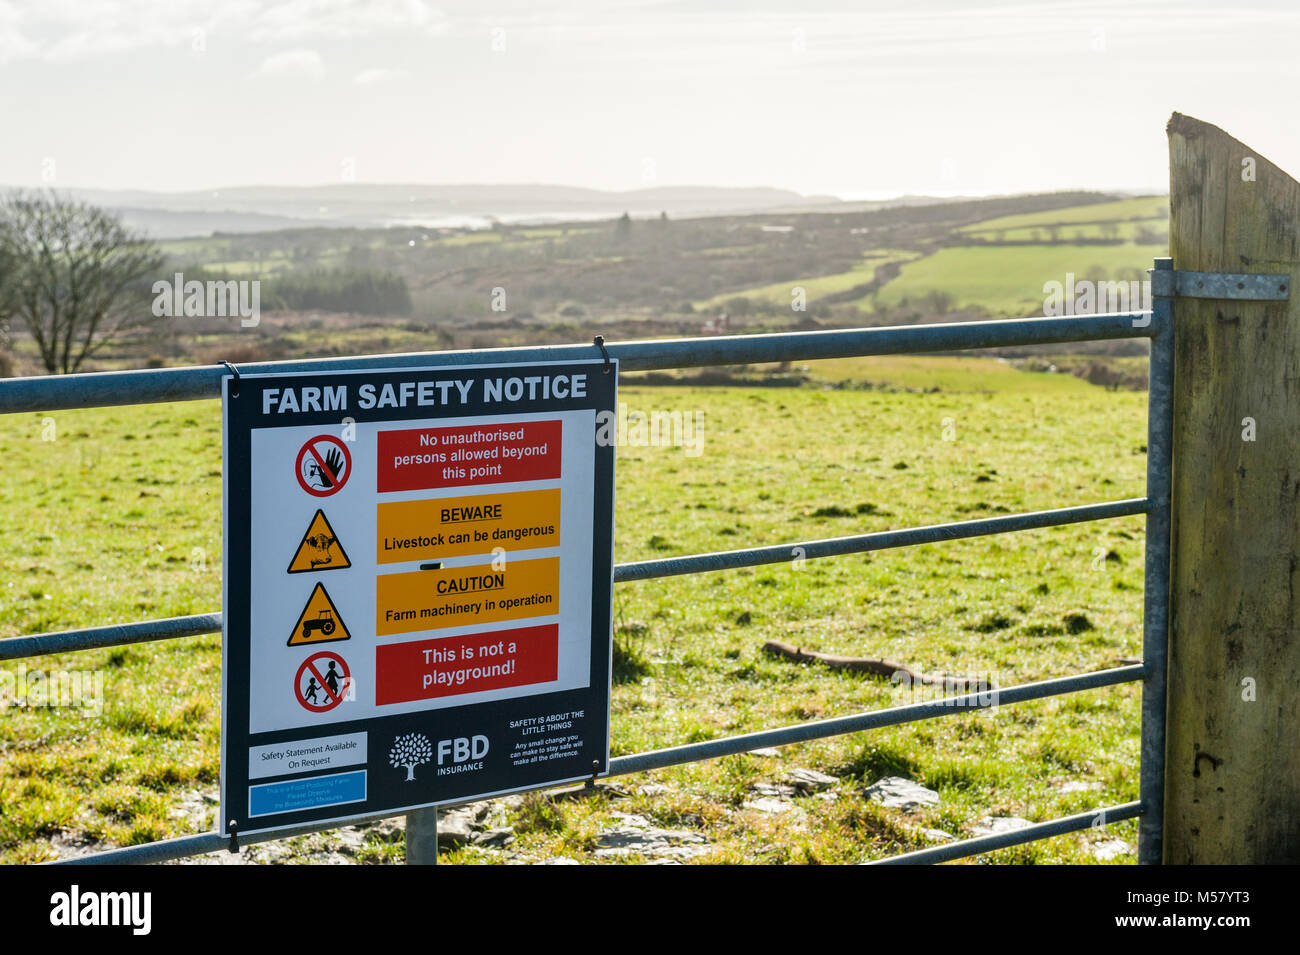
[319, 621]
[320, 548]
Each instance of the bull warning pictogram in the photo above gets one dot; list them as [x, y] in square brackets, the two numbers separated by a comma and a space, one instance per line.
[319, 621]
[320, 548]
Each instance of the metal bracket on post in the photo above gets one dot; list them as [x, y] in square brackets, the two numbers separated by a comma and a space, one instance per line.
[1241, 286]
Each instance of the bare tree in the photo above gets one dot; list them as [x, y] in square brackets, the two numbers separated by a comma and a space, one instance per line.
[74, 275]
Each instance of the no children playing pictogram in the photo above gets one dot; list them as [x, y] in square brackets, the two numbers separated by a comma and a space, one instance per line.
[324, 465]
[323, 682]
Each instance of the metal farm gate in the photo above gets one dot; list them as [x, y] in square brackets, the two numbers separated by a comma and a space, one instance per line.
[185, 384]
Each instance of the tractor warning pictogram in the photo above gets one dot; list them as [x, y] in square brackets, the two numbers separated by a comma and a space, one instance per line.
[324, 465]
[320, 548]
[323, 682]
[319, 621]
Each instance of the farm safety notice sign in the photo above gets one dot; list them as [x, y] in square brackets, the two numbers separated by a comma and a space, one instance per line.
[418, 584]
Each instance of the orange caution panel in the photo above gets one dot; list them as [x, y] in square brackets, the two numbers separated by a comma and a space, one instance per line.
[476, 524]
[456, 596]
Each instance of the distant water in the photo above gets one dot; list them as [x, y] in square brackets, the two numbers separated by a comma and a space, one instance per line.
[474, 221]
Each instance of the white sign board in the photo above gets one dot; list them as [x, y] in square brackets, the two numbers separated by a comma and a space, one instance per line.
[418, 587]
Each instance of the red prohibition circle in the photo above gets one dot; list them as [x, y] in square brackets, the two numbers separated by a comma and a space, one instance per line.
[331, 700]
[311, 455]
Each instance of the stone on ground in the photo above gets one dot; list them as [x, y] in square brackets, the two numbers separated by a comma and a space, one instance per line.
[895, 792]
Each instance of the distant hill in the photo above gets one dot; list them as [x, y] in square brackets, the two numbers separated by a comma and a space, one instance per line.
[358, 205]
[253, 209]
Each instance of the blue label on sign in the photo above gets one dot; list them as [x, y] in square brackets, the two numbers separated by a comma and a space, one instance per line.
[270, 798]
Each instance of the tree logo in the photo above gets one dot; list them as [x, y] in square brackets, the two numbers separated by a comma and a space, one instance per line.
[409, 751]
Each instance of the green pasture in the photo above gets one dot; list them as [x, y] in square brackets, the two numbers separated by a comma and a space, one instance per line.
[816, 287]
[1009, 280]
[1112, 231]
[114, 515]
[1122, 210]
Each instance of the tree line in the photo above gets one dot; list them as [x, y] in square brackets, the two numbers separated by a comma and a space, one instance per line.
[362, 291]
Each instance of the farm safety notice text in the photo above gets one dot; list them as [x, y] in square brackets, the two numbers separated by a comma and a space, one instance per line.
[425, 393]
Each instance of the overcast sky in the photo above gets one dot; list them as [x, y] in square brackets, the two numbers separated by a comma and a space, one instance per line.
[851, 99]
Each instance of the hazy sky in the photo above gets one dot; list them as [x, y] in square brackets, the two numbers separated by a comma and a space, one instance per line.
[854, 99]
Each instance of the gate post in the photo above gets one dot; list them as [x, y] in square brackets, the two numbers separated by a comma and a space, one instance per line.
[1232, 784]
[1155, 600]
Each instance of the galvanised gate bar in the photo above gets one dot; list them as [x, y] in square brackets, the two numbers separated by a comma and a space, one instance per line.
[184, 384]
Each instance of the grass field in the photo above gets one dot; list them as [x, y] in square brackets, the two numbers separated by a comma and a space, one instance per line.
[1008, 280]
[1142, 208]
[1001, 280]
[113, 515]
[944, 373]
[781, 293]
[1122, 231]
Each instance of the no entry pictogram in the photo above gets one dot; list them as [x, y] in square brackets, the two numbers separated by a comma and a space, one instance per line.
[324, 465]
[323, 682]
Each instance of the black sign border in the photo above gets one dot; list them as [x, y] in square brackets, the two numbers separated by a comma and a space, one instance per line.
[241, 415]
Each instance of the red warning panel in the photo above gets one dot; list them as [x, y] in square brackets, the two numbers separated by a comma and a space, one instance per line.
[424, 458]
[427, 669]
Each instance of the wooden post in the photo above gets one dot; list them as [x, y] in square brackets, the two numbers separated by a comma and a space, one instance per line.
[1232, 784]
